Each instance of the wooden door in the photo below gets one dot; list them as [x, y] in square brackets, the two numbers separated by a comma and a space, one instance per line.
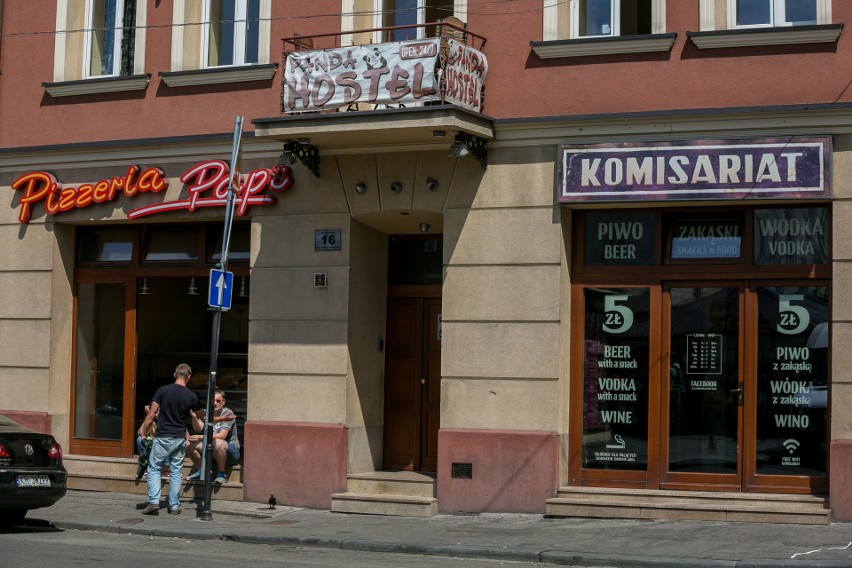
[412, 384]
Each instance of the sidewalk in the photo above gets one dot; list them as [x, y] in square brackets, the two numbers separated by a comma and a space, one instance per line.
[498, 536]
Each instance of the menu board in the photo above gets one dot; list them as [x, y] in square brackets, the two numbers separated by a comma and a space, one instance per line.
[616, 359]
[704, 354]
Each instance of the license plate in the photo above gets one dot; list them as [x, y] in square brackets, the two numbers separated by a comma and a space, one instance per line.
[32, 481]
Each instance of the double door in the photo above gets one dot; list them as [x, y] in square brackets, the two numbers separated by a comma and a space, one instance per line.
[713, 386]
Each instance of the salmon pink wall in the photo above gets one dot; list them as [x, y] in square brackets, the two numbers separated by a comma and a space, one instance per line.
[511, 471]
[31, 117]
[519, 83]
[38, 421]
[301, 464]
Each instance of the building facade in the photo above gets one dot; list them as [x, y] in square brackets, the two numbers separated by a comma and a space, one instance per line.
[590, 249]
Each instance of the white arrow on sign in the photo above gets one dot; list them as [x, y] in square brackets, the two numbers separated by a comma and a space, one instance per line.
[220, 285]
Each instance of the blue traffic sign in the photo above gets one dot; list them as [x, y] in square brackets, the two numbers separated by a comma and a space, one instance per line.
[221, 289]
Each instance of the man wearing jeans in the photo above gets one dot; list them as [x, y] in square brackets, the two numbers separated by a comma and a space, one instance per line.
[174, 403]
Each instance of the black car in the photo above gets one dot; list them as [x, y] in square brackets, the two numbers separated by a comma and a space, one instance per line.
[31, 471]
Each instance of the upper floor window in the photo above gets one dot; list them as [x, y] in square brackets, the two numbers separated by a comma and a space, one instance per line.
[774, 13]
[594, 18]
[110, 33]
[412, 13]
[232, 32]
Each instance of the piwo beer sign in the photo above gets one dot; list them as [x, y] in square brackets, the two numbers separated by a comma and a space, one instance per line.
[206, 186]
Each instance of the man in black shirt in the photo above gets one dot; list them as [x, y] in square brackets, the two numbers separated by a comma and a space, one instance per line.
[174, 403]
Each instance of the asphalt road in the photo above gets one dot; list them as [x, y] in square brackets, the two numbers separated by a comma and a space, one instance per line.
[42, 546]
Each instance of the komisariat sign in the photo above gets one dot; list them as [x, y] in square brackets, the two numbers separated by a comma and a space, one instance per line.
[792, 167]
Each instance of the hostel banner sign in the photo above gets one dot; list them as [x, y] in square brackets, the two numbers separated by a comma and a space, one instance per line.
[793, 167]
[384, 73]
[464, 75]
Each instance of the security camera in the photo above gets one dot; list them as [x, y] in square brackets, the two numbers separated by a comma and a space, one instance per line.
[431, 184]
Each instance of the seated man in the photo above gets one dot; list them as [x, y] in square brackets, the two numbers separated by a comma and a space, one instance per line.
[226, 444]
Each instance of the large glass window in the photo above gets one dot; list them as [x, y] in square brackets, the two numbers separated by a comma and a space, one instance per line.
[232, 32]
[791, 235]
[106, 246]
[792, 387]
[99, 388]
[748, 13]
[110, 26]
[615, 369]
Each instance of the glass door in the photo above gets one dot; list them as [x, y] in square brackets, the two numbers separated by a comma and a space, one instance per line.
[103, 377]
[705, 386]
[747, 387]
[791, 393]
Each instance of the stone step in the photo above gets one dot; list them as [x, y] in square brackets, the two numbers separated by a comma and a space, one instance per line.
[106, 474]
[393, 505]
[687, 505]
[392, 483]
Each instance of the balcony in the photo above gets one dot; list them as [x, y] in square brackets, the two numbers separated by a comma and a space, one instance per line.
[412, 94]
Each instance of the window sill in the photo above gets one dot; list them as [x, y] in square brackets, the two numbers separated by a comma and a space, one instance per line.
[219, 75]
[99, 85]
[766, 36]
[603, 45]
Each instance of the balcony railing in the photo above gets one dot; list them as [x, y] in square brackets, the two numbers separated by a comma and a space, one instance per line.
[447, 68]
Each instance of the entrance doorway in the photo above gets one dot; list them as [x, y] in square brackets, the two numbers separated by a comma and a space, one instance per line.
[747, 378]
[140, 309]
[700, 360]
[413, 354]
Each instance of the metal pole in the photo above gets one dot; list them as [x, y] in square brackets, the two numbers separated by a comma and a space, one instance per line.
[233, 186]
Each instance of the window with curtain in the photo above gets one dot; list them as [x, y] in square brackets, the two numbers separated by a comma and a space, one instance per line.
[232, 30]
[110, 37]
[411, 13]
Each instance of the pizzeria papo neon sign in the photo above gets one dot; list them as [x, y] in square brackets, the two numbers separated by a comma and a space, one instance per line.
[207, 186]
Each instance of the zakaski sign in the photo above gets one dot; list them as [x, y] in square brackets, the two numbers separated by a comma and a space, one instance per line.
[206, 186]
[786, 168]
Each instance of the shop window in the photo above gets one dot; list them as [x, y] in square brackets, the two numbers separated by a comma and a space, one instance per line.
[411, 13]
[701, 239]
[616, 344]
[106, 246]
[99, 47]
[110, 36]
[796, 235]
[619, 238]
[239, 249]
[750, 13]
[593, 18]
[171, 245]
[232, 32]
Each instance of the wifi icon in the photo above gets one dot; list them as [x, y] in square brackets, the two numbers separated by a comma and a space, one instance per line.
[791, 445]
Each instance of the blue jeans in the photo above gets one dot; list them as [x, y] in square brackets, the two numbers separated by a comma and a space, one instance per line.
[173, 452]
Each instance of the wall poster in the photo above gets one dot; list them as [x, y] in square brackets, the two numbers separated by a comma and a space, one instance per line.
[615, 378]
